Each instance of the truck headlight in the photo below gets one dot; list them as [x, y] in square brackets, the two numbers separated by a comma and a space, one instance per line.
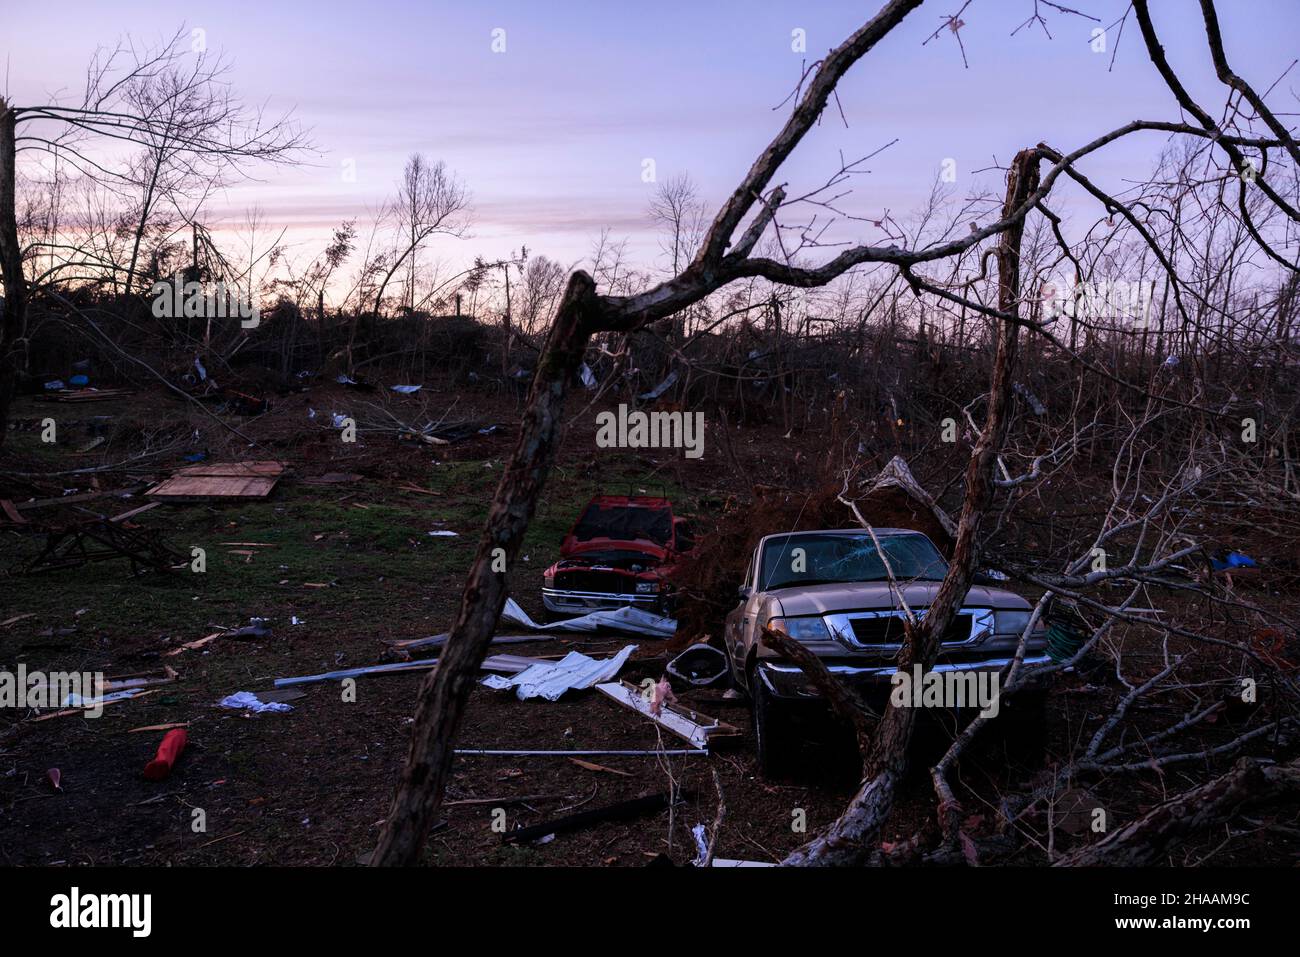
[811, 628]
[647, 588]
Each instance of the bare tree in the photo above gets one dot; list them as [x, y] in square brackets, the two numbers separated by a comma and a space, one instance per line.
[726, 254]
[430, 200]
[189, 133]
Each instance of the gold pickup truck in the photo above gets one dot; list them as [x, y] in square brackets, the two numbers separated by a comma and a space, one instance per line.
[831, 590]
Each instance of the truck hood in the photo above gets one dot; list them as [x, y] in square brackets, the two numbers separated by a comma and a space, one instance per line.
[571, 548]
[878, 596]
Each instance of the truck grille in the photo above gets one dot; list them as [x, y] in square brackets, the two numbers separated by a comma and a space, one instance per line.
[593, 581]
[888, 629]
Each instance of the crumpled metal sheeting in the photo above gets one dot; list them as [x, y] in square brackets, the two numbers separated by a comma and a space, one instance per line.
[549, 680]
[628, 619]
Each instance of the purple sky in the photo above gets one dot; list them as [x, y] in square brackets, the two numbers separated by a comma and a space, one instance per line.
[550, 135]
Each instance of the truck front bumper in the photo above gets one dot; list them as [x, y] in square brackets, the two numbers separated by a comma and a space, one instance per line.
[786, 680]
[565, 602]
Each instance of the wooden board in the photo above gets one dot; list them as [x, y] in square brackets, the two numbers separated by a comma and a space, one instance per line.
[220, 480]
[85, 395]
[233, 469]
[214, 486]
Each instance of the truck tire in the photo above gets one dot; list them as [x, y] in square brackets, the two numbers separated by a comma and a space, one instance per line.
[771, 729]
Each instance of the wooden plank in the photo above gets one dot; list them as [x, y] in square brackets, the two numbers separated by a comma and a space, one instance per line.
[85, 395]
[73, 499]
[134, 512]
[237, 469]
[619, 811]
[220, 480]
[213, 487]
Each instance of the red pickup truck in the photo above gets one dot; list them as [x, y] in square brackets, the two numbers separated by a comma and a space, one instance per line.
[621, 551]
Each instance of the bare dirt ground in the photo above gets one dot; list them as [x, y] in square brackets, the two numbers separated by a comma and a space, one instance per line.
[353, 561]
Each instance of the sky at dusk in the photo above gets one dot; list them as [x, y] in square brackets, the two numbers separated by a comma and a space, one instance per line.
[550, 136]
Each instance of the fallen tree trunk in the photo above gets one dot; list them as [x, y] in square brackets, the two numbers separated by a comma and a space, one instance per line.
[1150, 838]
[445, 691]
[850, 839]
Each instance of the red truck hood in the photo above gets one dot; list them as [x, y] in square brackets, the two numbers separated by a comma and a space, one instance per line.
[571, 548]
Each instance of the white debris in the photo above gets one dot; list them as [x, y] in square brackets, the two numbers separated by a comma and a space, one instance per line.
[628, 619]
[661, 388]
[549, 680]
[247, 701]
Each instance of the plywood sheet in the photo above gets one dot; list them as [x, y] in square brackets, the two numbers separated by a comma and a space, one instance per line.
[220, 480]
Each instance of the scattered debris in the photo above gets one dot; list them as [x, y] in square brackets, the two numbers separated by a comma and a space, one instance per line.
[896, 488]
[596, 753]
[619, 811]
[331, 478]
[632, 620]
[169, 676]
[83, 395]
[408, 487]
[248, 701]
[169, 751]
[592, 766]
[132, 513]
[661, 694]
[256, 628]
[660, 389]
[437, 641]
[507, 663]
[700, 835]
[691, 726]
[700, 665]
[76, 702]
[574, 671]
[1232, 560]
[72, 546]
[192, 645]
[126, 492]
[507, 801]
[160, 727]
[397, 668]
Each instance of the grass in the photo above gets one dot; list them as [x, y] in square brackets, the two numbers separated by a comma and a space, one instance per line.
[368, 543]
